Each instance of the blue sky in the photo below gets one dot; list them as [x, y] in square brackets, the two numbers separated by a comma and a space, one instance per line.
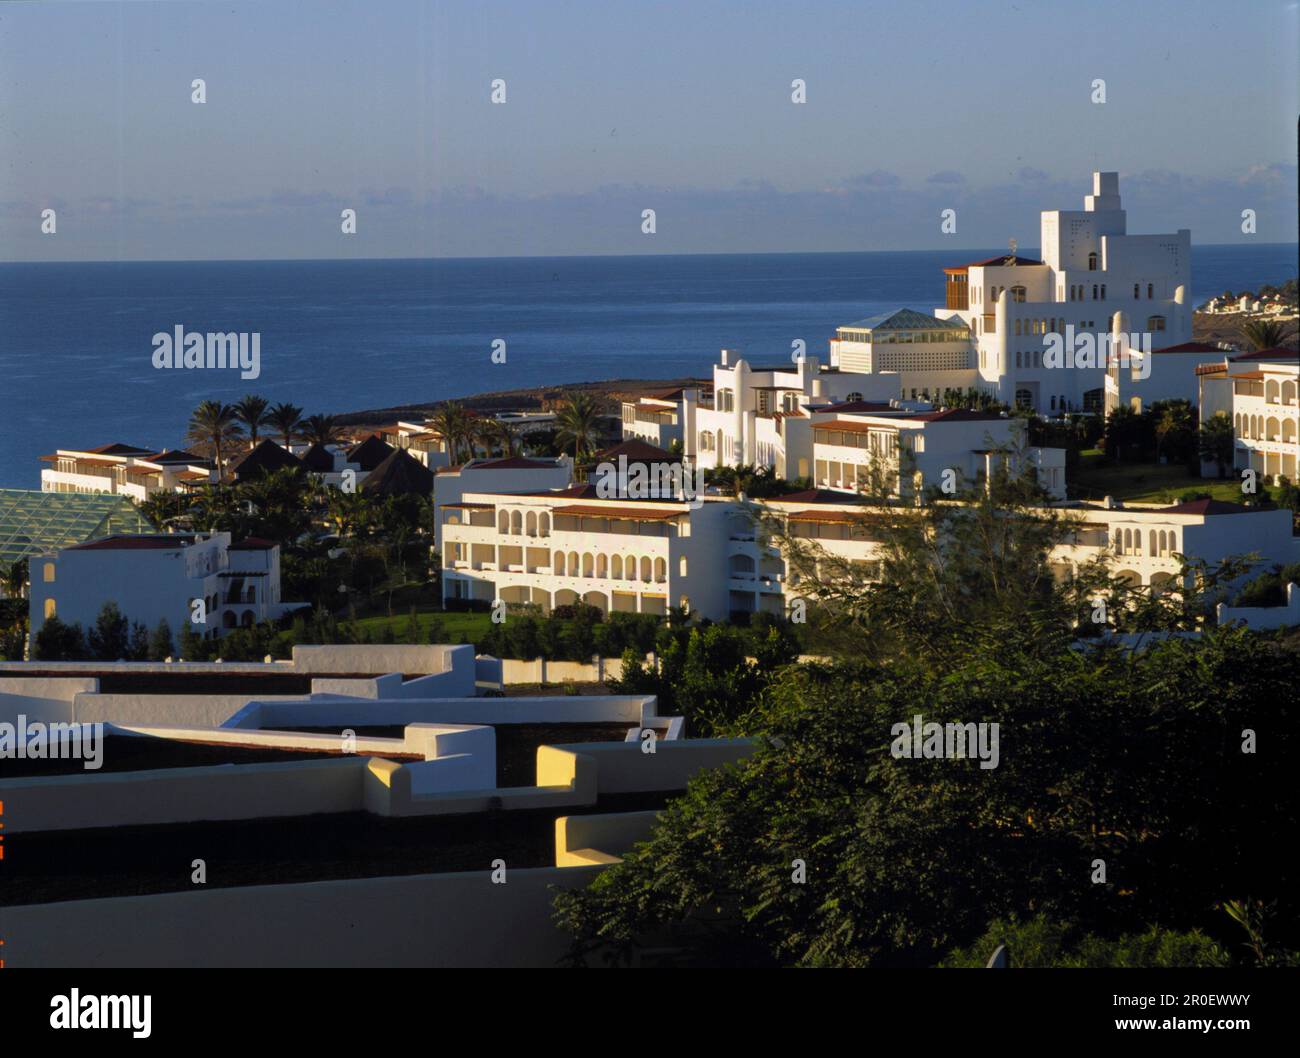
[614, 107]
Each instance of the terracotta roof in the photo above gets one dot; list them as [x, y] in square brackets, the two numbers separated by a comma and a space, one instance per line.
[136, 543]
[253, 543]
[467, 506]
[619, 514]
[1193, 347]
[1249, 375]
[635, 450]
[1278, 352]
[1001, 261]
[515, 463]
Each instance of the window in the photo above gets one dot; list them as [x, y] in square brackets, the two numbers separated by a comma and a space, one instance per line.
[48, 573]
[50, 608]
[1137, 291]
[1053, 404]
[1151, 291]
[1103, 292]
[1094, 291]
[1092, 262]
[855, 396]
[1018, 294]
[1024, 399]
[1017, 358]
[1155, 323]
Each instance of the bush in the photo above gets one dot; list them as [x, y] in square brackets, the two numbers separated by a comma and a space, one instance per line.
[1041, 943]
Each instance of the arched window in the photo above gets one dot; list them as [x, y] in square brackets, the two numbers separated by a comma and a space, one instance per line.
[1151, 542]
[532, 523]
[681, 566]
[588, 564]
[503, 521]
[645, 568]
[1094, 291]
[616, 567]
[48, 573]
[1092, 262]
[1137, 291]
[1151, 291]
[516, 522]
[544, 524]
[50, 608]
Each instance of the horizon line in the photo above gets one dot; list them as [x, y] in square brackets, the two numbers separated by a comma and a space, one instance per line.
[558, 257]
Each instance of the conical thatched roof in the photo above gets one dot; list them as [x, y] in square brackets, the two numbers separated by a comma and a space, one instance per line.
[266, 458]
[400, 474]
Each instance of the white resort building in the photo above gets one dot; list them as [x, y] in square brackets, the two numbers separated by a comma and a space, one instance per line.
[123, 470]
[157, 577]
[1260, 393]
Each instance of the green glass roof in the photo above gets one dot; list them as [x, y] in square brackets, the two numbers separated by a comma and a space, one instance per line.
[906, 320]
[36, 523]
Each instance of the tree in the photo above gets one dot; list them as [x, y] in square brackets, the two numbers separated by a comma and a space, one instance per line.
[57, 641]
[109, 637]
[285, 417]
[1124, 430]
[253, 412]
[138, 646]
[1175, 429]
[1216, 443]
[577, 423]
[160, 642]
[15, 579]
[1264, 333]
[320, 430]
[451, 423]
[215, 426]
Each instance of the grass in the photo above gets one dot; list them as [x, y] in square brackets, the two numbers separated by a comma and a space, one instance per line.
[1146, 482]
[471, 627]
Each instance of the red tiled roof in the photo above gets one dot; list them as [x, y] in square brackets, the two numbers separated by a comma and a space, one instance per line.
[253, 543]
[635, 450]
[515, 463]
[1278, 352]
[620, 514]
[1193, 347]
[136, 543]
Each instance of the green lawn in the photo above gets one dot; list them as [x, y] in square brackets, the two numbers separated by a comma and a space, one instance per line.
[470, 626]
[1145, 482]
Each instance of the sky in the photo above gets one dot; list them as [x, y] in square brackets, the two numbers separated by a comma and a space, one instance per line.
[612, 108]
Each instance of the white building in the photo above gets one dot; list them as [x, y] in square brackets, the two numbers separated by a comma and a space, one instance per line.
[163, 576]
[1093, 280]
[1259, 392]
[914, 451]
[509, 475]
[571, 545]
[659, 419]
[123, 470]
[758, 415]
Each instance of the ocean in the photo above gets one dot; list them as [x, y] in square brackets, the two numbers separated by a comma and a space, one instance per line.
[336, 336]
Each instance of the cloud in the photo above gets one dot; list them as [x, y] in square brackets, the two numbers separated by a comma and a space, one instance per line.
[945, 176]
[875, 178]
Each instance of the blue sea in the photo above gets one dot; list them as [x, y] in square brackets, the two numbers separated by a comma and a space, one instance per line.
[76, 339]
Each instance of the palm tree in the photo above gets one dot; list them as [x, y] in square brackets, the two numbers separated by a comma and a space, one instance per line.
[451, 423]
[576, 423]
[285, 418]
[215, 426]
[320, 430]
[504, 436]
[1215, 442]
[252, 412]
[1265, 334]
